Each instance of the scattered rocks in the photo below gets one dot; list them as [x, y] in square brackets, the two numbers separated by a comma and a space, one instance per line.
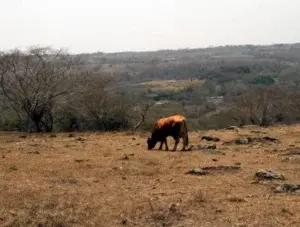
[287, 188]
[221, 168]
[210, 138]
[255, 139]
[268, 175]
[209, 148]
[197, 172]
[208, 169]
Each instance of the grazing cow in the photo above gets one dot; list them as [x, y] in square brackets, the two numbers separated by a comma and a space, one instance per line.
[174, 126]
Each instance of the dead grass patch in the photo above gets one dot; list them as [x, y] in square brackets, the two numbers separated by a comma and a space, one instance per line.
[97, 182]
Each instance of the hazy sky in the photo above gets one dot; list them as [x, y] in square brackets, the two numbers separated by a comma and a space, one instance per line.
[133, 25]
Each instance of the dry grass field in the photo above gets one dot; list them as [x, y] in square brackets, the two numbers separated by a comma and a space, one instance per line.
[171, 85]
[111, 179]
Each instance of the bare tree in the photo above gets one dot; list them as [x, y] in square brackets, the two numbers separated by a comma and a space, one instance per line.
[35, 80]
[143, 114]
[262, 106]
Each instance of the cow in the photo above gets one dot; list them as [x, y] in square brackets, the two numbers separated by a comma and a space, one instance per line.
[174, 126]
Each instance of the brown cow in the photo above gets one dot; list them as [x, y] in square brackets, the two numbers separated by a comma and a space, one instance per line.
[174, 126]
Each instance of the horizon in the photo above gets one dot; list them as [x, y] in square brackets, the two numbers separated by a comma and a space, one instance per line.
[116, 26]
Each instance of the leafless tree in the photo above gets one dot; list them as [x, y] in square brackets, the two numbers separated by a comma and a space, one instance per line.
[35, 80]
[143, 113]
[262, 106]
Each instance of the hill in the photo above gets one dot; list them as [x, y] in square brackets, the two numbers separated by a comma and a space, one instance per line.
[213, 87]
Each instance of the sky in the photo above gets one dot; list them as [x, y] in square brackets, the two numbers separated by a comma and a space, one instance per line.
[86, 26]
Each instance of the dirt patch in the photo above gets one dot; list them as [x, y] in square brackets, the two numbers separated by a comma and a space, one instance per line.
[222, 168]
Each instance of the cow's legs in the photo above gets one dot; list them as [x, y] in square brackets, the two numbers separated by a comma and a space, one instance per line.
[166, 144]
[176, 143]
[183, 141]
[161, 144]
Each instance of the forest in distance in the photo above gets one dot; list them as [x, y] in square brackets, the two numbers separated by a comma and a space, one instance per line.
[45, 89]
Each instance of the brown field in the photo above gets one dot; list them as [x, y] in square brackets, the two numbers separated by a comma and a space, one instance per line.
[172, 85]
[110, 179]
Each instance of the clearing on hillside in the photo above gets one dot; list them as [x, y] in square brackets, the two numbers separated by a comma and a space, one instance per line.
[171, 85]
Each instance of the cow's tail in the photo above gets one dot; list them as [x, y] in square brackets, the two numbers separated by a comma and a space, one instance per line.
[184, 133]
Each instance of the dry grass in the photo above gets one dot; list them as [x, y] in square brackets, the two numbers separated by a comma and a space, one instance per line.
[110, 179]
[172, 85]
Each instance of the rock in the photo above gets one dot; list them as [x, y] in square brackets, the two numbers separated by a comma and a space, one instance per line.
[241, 141]
[80, 139]
[212, 146]
[12, 168]
[268, 175]
[287, 188]
[293, 151]
[126, 156]
[210, 138]
[273, 139]
[233, 128]
[33, 152]
[197, 172]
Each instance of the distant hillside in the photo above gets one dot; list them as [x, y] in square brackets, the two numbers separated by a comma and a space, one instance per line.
[201, 63]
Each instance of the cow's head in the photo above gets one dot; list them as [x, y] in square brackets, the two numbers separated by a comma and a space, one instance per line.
[151, 143]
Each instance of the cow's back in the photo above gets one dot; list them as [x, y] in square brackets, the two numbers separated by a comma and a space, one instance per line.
[168, 126]
[169, 121]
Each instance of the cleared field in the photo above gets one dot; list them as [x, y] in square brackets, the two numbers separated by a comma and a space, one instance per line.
[172, 84]
[110, 179]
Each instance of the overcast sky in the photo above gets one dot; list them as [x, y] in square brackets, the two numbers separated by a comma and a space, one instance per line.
[137, 25]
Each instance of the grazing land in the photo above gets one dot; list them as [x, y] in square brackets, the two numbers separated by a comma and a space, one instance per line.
[111, 179]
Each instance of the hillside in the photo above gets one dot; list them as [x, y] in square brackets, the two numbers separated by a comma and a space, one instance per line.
[110, 179]
[213, 87]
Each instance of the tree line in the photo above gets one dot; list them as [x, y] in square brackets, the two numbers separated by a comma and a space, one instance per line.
[45, 89]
